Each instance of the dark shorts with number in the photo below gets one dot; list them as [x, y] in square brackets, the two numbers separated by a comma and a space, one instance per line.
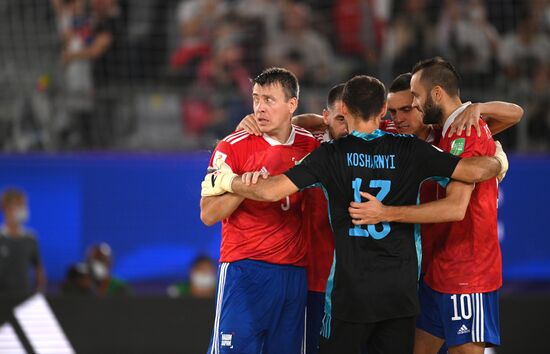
[460, 318]
[395, 336]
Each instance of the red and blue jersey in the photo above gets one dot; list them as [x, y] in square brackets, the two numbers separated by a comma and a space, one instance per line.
[272, 232]
[464, 256]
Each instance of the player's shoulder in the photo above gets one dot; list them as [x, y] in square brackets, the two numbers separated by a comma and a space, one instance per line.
[236, 137]
[303, 133]
[303, 137]
[387, 125]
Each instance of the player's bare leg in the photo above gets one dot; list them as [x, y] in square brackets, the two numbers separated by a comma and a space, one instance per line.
[425, 343]
[468, 348]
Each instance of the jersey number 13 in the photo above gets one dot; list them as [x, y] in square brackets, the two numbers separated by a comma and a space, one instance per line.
[371, 231]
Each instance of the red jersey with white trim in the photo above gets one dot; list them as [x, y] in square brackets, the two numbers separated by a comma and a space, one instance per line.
[265, 231]
[388, 125]
[319, 233]
[464, 257]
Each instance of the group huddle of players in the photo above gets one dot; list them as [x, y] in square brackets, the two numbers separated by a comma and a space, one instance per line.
[382, 239]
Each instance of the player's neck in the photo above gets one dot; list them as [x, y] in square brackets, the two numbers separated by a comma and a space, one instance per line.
[449, 107]
[282, 134]
[363, 126]
[424, 132]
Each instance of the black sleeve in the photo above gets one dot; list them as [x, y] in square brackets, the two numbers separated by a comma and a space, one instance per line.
[311, 169]
[434, 161]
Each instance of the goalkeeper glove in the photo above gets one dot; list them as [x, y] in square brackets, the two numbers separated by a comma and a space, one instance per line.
[218, 180]
[500, 155]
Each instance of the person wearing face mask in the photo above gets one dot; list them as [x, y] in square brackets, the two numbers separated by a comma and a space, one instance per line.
[202, 280]
[18, 249]
[100, 260]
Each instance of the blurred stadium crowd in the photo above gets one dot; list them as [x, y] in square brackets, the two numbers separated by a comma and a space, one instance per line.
[173, 75]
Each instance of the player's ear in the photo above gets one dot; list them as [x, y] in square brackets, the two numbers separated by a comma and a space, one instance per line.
[292, 104]
[384, 110]
[325, 116]
[437, 93]
[345, 110]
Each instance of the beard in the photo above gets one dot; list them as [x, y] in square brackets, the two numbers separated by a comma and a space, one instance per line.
[432, 113]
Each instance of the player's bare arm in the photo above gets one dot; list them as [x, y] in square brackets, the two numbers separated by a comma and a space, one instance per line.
[217, 208]
[269, 189]
[310, 122]
[498, 115]
[451, 208]
[478, 169]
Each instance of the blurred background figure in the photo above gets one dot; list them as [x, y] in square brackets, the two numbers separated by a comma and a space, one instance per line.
[19, 252]
[100, 260]
[78, 281]
[201, 283]
[74, 26]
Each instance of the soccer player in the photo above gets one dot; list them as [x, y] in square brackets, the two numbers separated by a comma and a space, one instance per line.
[331, 125]
[498, 115]
[262, 282]
[459, 295]
[373, 280]
[462, 262]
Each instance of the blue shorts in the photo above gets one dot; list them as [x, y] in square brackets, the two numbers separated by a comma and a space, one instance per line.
[315, 310]
[260, 308]
[460, 318]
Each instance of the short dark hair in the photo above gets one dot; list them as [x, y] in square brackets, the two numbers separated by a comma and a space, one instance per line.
[438, 72]
[401, 83]
[335, 94]
[364, 96]
[284, 77]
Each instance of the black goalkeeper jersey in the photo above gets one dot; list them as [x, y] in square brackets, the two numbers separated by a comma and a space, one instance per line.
[375, 270]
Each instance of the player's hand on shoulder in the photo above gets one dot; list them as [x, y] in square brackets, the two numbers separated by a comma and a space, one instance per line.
[367, 213]
[250, 125]
[467, 119]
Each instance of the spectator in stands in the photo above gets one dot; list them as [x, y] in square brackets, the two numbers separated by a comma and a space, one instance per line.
[268, 11]
[78, 281]
[196, 20]
[297, 35]
[525, 59]
[360, 28]
[106, 52]
[465, 35]
[19, 250]
[202, 280]
[100, 261]
[408, 38]
[75, 30]
[226, 79]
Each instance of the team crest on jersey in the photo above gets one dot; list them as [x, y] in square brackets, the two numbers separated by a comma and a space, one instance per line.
[457, 146]
[219, 155]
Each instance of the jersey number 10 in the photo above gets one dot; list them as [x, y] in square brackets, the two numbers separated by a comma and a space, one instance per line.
[371, 231]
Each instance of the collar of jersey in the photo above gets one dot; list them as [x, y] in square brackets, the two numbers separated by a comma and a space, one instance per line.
[368, 137]
[274, 142]
[453, 116]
